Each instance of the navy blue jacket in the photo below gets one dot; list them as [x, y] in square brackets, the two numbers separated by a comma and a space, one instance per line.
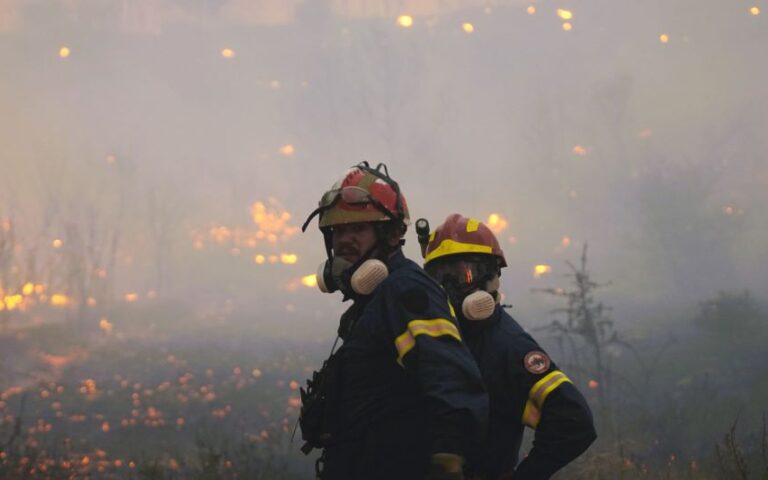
[525, 389]
[407, 386]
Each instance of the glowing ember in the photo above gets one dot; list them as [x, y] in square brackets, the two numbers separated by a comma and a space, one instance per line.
[60, 300]
[309, 281]
[579, 150]
[259, 259]
[593, 384]
[564, 14]
[64, 52]
[256, 373]
[287, 150]
[405, 21]
[664, 38]
[755, 11]
[289, 258]
[105, 325]
[531, 10]
[57, 243]
[28, 288]
[540, 270]
[228, 53]
[496, 223]
[131, 297]
[566, 241]
[567, 26]
[467, 27]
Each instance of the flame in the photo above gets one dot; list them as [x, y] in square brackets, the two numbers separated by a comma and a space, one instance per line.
[131, 297]
[567, 26]
[11, 302]
[755, 11]
[579, 150]
[105, 325]
[309, 281]
[287, 150]
[64, 52]
[56, 243]
[496, 223]
[272, 220]
[228, 53]
[405, 21]
[60, 300]
[467, 27]
[28, 288]
[664, 38]
[259, 259]
[221, 234]
[540, 270]
[289, 258]
[531, 9]
[566, 241]
[564, 14]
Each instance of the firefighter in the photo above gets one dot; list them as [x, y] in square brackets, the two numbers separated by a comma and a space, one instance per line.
[402, 397]
[524, 385]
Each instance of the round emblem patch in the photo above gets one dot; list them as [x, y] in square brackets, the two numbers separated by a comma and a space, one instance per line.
[536, 362]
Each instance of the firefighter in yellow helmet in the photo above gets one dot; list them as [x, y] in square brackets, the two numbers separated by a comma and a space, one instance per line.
[524, 385]
[402, 398]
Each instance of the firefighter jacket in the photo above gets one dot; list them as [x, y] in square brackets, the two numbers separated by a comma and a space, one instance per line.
[406, 386]
[525, 388]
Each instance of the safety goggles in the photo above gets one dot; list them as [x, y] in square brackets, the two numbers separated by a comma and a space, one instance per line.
[461, 272]
[354, 195]
[351, 195]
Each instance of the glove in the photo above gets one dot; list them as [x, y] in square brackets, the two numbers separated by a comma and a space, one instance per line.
[446, 466]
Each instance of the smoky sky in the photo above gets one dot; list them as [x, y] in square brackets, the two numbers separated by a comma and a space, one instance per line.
[653, 150]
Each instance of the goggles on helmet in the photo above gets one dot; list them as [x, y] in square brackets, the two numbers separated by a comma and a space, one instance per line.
[351, 195]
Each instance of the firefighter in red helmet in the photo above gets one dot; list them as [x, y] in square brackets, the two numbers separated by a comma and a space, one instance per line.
[524, 385]
[402, 397]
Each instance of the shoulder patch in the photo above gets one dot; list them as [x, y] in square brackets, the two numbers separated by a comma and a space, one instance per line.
[537, 362]
[415, 300]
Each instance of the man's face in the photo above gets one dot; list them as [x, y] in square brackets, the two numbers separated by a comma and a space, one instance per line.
[350, 241]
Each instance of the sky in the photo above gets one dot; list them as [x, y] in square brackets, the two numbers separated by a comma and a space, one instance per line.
[172, 132]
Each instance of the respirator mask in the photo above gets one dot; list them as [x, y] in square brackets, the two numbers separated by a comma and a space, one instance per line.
[361, 277]
[471, 284]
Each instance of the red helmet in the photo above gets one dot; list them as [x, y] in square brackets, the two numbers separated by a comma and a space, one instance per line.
[363, 194]
[461, 235]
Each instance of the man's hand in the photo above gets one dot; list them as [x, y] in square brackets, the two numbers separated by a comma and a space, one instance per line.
[446, 466]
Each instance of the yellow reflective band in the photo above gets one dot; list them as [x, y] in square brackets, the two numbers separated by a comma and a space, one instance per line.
[450, 307]
[472, 225]
[538, 393]
[432, 236]
[451, 247]
[434, 328]
[531, 415]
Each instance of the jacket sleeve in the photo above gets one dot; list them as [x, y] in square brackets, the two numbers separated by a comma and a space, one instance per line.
[556, 409]
[426, 342]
